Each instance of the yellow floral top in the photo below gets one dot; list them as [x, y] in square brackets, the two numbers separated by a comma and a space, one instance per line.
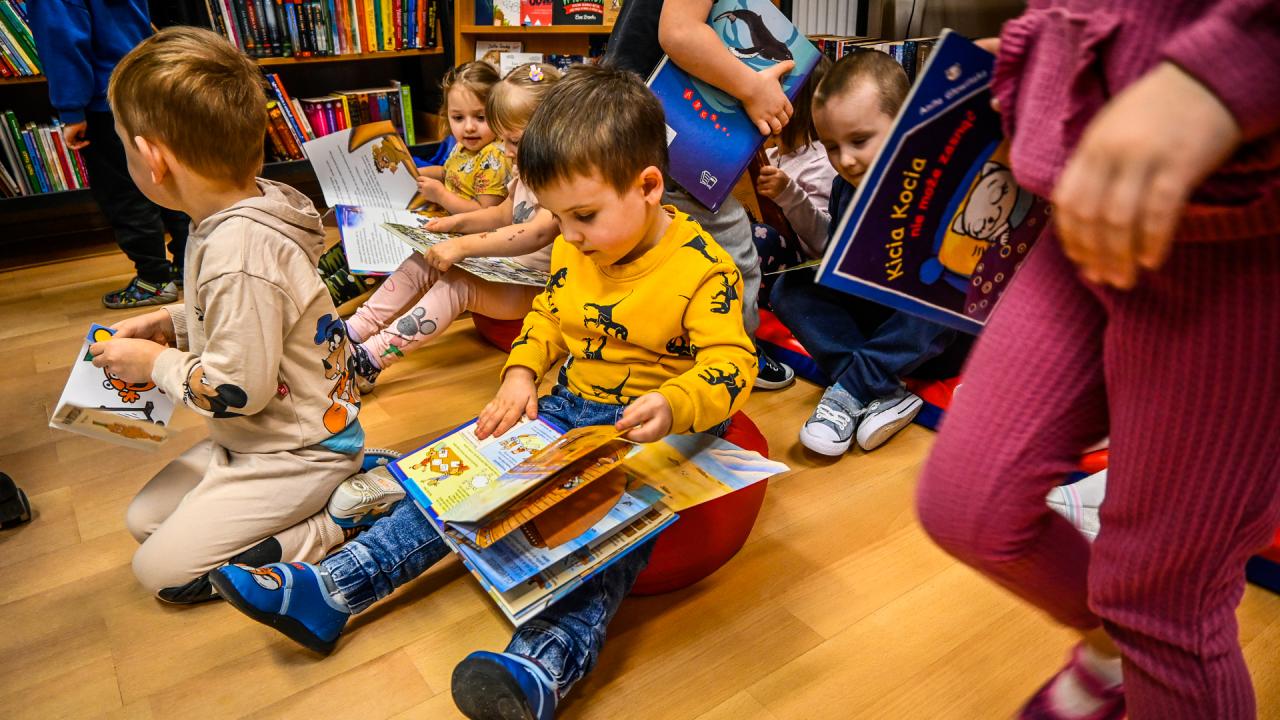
[486, 171]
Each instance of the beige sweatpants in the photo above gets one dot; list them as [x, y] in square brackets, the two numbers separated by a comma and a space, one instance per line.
[210, 504]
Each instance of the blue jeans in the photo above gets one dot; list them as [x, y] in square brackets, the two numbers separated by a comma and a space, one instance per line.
[864, 346]
[566, 638]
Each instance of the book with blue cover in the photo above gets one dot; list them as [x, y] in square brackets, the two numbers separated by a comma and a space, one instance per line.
[938, 226]
[710, 139]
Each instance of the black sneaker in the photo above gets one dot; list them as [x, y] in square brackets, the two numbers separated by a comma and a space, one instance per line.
[140, 293]
[15, 509]
[773, 375]
[367, 370]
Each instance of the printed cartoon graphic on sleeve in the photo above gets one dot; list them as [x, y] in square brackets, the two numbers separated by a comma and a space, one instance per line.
[331, 333]
[217, 401]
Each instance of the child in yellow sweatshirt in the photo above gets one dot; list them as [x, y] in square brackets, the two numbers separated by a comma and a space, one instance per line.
[645, 306]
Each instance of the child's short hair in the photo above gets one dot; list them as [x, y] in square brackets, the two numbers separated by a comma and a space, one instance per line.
[595, 119]
[512, 101]
[192, 91]
[799, 130]
[479, 77]
[866, 65]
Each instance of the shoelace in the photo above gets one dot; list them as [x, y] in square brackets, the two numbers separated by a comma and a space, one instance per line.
[826, 412]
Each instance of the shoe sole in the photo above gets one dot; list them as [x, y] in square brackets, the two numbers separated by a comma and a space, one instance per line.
[901, 417]
[140, 303]
[774, 384]
[484, 690]
[824, 447]
[292, 628]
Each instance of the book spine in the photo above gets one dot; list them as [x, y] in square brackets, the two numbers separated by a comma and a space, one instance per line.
[330, 116]
[21, 32]
[33, 152]
[292, 146]
[313, 22]
[326, 26]
[351, 25]
[11, 142]
[411, 24]
[278, 147]
[268, 10]
[370, 25]
[384, 107]
[334, 22]
[243, 32]
[346, 112]
[366, 115]
[433, 23]
[277, 88]
[9, 65]
[13, 56]
[282, 26]
[51, 169]
[215, 20]
[253, 29]
[393, 106]
[24, 149]
[909, 59]
[229, 19]
[406, 109]
[60, 151]
[81, 170]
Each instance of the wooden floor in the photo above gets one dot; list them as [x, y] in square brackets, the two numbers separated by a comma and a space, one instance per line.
[838, 607]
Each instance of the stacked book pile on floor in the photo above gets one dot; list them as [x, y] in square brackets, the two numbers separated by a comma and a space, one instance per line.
[910, 54]
[36, 160]
[17, 49]
[309, 28]
[294, 121]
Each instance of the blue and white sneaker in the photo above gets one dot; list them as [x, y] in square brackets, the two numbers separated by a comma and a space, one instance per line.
[503, 686]
[378, 457]
[298, 599]
[363, 498]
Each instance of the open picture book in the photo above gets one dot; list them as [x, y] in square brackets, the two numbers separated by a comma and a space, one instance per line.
[98, 404]
[536, 511]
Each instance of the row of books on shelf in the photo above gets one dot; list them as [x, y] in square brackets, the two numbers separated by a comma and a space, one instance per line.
[911, 54]
[504, 55]
[542, 13]
[294, 121]
[17, 48]
[309, 28]
[37, 160]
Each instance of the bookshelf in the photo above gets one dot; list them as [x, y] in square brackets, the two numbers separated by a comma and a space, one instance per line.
[562, 39]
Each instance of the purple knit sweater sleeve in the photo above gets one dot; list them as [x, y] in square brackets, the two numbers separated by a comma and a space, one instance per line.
[1234, 49]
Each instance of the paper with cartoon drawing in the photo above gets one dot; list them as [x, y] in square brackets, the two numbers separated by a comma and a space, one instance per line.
[98, 404]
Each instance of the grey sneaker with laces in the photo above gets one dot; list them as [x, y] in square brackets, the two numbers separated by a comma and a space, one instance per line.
[829, 430]
[885, 416]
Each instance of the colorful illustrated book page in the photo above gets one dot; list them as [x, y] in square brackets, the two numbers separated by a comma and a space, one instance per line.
[494, 269]
[370, 248]
[938, 226]
[710, 139]
[98, 404]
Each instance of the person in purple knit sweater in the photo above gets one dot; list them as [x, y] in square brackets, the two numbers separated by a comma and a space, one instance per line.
[1150, 314]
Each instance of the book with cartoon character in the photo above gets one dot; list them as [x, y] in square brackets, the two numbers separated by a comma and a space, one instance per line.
[938, 226]
[100, 405]
[535, 511]
[494, 269]
[368, 176]
[710, 139]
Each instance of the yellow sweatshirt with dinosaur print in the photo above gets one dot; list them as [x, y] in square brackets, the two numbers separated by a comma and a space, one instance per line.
[670, 321]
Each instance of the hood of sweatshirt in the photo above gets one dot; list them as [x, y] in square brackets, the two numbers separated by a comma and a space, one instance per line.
[282, 209]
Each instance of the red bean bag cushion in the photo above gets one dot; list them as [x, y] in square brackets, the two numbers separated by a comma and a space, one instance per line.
[499, 333]
[706, 536]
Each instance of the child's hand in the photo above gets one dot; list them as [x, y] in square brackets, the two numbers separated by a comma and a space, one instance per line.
[766, 104]
[772, 182]
[440, 224]
[130, 359]
[649, 418]
[430, 188]
[156, 326]
[1123, 191]
[517, 396]
[443, 255]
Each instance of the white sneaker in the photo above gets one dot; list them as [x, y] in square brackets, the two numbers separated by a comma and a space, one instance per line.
[829, 430]
[1079, 503]
[885, 416]
[364, 497]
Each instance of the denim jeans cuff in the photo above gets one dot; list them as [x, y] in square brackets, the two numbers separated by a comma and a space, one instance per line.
[353, 570]
[552, 648]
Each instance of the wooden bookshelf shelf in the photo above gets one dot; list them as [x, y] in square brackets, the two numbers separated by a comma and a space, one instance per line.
[506, 30]
[23, 80]
[270, 61]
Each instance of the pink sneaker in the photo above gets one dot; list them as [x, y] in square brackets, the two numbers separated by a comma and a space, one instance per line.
[1111, 698]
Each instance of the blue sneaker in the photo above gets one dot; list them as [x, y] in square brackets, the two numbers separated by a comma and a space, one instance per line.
[502, 686]
[290, 597]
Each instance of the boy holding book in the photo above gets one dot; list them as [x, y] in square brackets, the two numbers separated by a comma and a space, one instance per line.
[646, 307]
[864, 347]
[79, 43]
[258, 349]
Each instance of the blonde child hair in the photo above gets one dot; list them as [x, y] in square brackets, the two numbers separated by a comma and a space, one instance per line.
[477, 77]
[512, 101]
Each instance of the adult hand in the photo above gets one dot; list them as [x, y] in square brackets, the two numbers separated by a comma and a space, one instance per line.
[772, 182]
[649, 418]
[156, 326]
[517, 396]
[73, 135]
[130, 359]
[765, 103]
[1124, 189]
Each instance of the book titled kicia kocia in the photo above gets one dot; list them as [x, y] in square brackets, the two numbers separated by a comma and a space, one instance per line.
[938, 227]
[710, 138]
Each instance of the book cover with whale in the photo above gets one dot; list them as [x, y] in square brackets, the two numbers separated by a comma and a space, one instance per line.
[709, 138]
[939, 226]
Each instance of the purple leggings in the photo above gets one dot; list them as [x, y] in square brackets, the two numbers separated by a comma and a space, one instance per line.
[1183, 373]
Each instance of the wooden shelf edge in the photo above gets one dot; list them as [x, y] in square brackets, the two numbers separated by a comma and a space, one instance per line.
[22, 80]
[543, 30]
[277, 61]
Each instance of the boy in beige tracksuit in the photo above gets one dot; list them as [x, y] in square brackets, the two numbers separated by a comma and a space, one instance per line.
[257, 348]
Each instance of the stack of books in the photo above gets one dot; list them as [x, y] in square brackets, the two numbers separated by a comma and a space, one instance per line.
[911, 54]
[36, 160]
[17, 49]
[292, 122]
[308, 28]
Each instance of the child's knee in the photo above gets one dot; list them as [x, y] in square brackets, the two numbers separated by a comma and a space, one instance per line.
[140, 518]
[157, 568]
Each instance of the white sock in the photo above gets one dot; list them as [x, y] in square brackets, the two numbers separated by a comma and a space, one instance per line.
[1071, 698]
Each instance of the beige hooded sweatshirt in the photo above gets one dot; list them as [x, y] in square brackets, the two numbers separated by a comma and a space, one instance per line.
[261, 351]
